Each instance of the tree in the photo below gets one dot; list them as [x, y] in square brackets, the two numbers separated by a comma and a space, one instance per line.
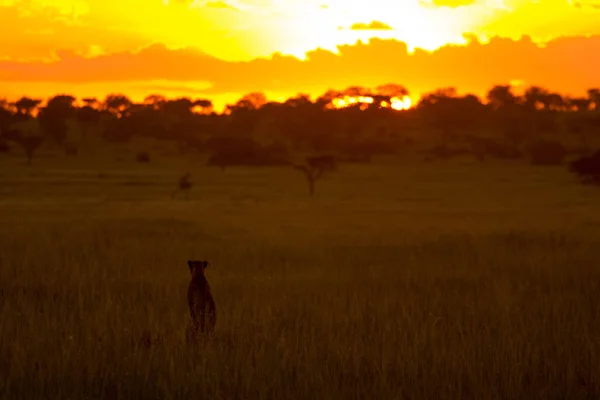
[181, 108]
[250, 102]
[594, 97]
[155, 101]
[327, 98]
[536, 98]
[450, 114]
[117, 103]
[27, 135]
[26, 105]
[392, 90]
[203, 105]
[87, 116]
[576, 119]
[6, 117]
[501, 96]
[315, 168]
[356, 91]
[90, 101]
[53, 118]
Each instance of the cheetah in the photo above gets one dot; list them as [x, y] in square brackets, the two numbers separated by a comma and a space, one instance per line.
[200, 301]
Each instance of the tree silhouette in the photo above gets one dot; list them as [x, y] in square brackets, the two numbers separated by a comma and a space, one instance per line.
[536, 98]
[392, 90]
[117, 103]
[30, 145]
[594, 97]
[356, 91]
[205, 106]
[155, 101]
[87, 116]
[26, 105]
[587, 168]
[501, 96]
[90, 101]
[450, 114]
[356, 129]
[26, 133]
[6, 117]
[53, 118]
[249, 102]
[577, 119]
[315, 168]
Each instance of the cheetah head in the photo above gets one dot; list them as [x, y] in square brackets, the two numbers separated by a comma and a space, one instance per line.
[197, 267]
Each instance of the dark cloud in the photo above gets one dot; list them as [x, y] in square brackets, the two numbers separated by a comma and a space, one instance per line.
[566, 64]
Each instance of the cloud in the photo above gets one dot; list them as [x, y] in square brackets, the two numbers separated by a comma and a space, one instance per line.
[220, 4]
[585, 4]
[371, 26]
[567, 65]
[446, 3]
[67, 11]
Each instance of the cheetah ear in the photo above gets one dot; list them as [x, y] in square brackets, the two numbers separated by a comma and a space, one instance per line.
[190, 264]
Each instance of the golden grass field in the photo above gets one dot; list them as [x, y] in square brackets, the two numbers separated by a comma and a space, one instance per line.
[399, 280]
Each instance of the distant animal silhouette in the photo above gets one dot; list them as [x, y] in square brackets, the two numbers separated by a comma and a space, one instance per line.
[200, 301]
[184, 185]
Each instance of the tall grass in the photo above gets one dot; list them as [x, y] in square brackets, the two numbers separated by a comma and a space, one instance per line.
[329, 298]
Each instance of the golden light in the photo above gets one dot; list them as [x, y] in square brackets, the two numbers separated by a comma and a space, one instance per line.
[395, 103]
[403, 103]
[305, 25]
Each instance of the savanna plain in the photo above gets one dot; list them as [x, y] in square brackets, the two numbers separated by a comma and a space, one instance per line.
[399, 279]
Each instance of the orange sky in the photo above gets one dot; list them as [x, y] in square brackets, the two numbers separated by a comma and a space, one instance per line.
[209, 48]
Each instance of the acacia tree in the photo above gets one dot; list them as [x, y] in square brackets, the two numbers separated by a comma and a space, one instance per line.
[315, 168]
[27, 136]
[26, 106]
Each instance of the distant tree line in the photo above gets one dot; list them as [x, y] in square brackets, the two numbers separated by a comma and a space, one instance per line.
[354, 124]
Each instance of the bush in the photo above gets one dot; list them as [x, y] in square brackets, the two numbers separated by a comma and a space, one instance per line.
[587, 168]
[544, 152]
[142, 157]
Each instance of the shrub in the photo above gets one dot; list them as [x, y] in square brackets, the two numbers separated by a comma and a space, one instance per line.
[587, 168]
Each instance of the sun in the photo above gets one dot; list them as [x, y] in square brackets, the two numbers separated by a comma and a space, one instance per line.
[302, 27]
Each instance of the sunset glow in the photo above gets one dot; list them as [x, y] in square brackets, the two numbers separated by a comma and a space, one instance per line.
[224, 48]
[395, 103]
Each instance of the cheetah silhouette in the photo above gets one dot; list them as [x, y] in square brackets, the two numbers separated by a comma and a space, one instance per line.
[201, 303]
